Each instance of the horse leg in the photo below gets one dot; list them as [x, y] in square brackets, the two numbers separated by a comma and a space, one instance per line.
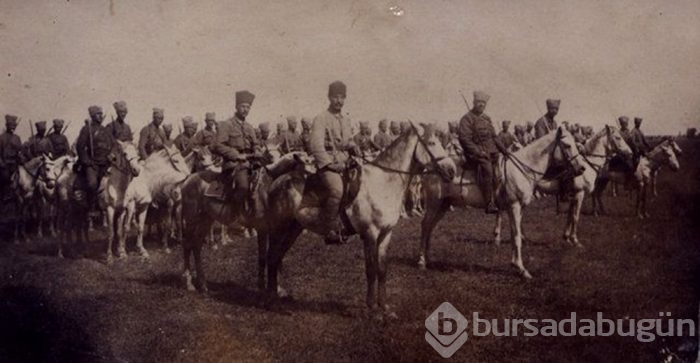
[382, 271]
[371, 260]
[166, 223]
[211, 238]
[279, 242]
[432, 217]
[576, 217]
[497, 238]
[141, 214]
[515, 221]
[199, 266]
[112, 217]
[613, 188]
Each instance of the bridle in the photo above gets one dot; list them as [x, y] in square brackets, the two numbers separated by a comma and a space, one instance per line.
[434, 161]
[527, 170]
[129, 170]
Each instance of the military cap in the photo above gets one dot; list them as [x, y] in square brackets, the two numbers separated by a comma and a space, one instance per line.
[167, 127]
[40, 124]
[157, 111]
[530, 124]
[518, 128]
[382, 122]
[364, 124]
[481, 96]
[93, 110]
[305, 121]
[291, 119]
[505, 123]
[11, 120]
[394, 124]
[264, 127]
[188, 121]
[405, 125]
[623, 120]
[637, 120]
[119, 106]
[336, 88]
[552, 103]
[280, 126]
[58, 122]
[244, 97]
[209, 116]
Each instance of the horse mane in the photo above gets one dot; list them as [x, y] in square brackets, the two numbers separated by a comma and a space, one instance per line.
[590, 144]
[389, 152]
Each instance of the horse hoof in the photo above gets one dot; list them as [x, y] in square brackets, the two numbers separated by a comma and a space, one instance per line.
[59, 255]
[144, 254]
[109, 259]
[497, 241]
[282, 293]
[422, 265]
[525, 274]
[215, 247]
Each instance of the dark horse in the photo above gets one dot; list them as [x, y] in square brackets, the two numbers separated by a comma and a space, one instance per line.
[200, 211]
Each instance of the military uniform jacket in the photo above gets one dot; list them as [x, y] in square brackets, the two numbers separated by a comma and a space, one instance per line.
[477, 135]
[151, 139]
[120, 131]
[639, 142]
[205, 137]
[59, 144]
[330, 137]
[10, 149]
[37, 146]
[365, 143]
[382, 140]
[234, 139]
[544, 125]
[102, 143]
[184, 143]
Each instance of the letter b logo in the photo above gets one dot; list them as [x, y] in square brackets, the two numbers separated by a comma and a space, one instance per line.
[447, 330]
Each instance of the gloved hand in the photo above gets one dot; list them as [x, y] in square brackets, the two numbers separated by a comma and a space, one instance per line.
[337, 167]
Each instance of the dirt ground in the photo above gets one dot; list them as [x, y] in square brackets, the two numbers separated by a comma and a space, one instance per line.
[135, 310]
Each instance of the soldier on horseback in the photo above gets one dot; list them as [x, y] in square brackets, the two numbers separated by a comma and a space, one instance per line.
[94, 146]
[207, 135]
[10, 155]
[238, 145]
[38, 144]
[185, 142]
[480, 144]
[547, 123]
[152, 137]
[292, 140]
[119, 129]
[59, 142]
[382, 138]
[331, 144]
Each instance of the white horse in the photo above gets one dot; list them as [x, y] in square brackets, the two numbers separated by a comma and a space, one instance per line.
[373, 213]
[28, 185]
[521, 171]
[661, 155]
[655, 173]
[597, 150]
[157, 182]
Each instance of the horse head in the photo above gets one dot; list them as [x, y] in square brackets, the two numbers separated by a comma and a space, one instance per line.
[126, 153]
[431, 155]
[304, 163]
[667, 156]
[616, 143]
[177, 161]
[565, 150]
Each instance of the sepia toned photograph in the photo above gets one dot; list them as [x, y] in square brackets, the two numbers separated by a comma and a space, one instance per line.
[350, 181]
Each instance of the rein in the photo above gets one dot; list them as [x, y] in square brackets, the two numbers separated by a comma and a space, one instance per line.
[521, 165]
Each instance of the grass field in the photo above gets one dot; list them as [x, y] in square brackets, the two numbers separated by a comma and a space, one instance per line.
[134, 310]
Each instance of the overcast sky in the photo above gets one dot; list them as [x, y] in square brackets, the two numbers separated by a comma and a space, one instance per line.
[602, 58]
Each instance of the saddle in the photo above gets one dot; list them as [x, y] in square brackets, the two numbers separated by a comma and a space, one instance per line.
[315, 193]
[216, 188]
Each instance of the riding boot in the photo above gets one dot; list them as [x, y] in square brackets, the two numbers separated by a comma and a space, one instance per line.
[487, 190]
[330, 218]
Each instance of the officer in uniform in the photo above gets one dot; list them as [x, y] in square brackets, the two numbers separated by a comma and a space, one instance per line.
[331, 142]
[59, 142]
[520, 135]
[265, 140]
[546, 123]
[10, 155]
[119, 129]
[507, 139]
[185, 142]
[236, 142]
[207, 135]
[641, 146]
[38, 144]
[479, 142]
[152, 136]
[576, 132]
[382, 138]
[93, 147]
